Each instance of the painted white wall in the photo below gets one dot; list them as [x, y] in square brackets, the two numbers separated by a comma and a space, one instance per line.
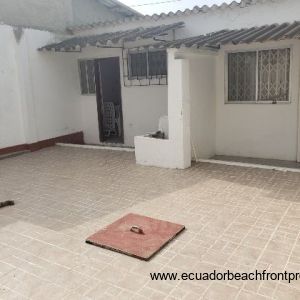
[142, 106]
[11, 124]
[257, 130]
[54, 80]
[203, 105]
[39, 94]
[249, 130]
[89, 116]
[174, 152]
[46, 100]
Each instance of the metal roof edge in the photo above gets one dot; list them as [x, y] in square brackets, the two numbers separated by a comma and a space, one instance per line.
[156, 17]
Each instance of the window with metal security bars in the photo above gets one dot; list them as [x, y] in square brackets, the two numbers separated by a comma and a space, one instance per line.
[150, 64]
[259, 76]
[157, 63]
[87, 77]
[138, 65]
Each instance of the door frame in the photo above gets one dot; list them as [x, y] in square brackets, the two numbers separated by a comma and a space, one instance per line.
[99, 98]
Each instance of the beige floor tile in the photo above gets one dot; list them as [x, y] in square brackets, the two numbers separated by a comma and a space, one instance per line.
[246, 295]
[236, 218]
[218, 291]
[284, 292]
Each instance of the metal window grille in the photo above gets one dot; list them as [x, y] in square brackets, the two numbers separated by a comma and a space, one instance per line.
[148, 67]
[242, 76]
[87, 77]
[157, 61]
[273, 75]
[259, 76]
[138, 65]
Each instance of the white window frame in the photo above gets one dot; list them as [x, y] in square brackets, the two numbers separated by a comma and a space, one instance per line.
[256, 101]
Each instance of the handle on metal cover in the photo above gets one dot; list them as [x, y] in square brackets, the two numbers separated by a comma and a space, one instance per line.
[137, 229]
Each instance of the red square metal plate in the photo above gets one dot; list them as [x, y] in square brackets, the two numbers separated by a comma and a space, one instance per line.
[136, 235]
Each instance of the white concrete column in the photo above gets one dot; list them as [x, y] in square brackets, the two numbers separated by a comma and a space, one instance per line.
[179, 108]
[174, 152]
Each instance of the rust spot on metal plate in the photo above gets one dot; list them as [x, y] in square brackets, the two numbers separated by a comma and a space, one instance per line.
[125, 236]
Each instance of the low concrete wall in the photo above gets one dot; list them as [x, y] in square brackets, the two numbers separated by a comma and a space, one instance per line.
[154, 152]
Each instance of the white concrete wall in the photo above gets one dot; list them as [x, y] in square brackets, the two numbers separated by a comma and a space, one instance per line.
[257, 130]
[48, 101]
[203, 105]
[142, 106]
[39, 93]
[11, 123]
[54, 78]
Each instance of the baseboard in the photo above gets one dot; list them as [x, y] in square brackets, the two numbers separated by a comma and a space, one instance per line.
[97, 147]
[248, 165]
[13, 149]
[73, 138]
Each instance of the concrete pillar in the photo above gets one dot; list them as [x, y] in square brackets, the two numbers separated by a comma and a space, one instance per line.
[174, 152]
[179, 109]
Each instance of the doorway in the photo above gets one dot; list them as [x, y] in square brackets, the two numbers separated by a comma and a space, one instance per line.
[109, 101]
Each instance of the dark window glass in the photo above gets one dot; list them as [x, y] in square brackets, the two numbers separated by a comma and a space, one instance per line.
[83, 77]
[91, 76]
[87, 77]
[138, 65]
[157, 61]
[242, 76]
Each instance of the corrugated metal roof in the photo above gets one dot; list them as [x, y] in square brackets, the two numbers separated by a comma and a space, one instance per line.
[186, 12]
[112, 38]
[274, 32]
[120, 8]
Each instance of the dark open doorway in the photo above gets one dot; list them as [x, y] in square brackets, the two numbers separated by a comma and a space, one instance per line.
[109, 102]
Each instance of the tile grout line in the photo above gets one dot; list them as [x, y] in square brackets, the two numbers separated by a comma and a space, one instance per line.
[291, 252]
[210, 284]
[265, 247]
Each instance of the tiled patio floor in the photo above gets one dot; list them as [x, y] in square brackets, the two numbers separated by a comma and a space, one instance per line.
[237, 218]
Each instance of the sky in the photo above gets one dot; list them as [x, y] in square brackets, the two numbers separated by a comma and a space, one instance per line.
[150, 7]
